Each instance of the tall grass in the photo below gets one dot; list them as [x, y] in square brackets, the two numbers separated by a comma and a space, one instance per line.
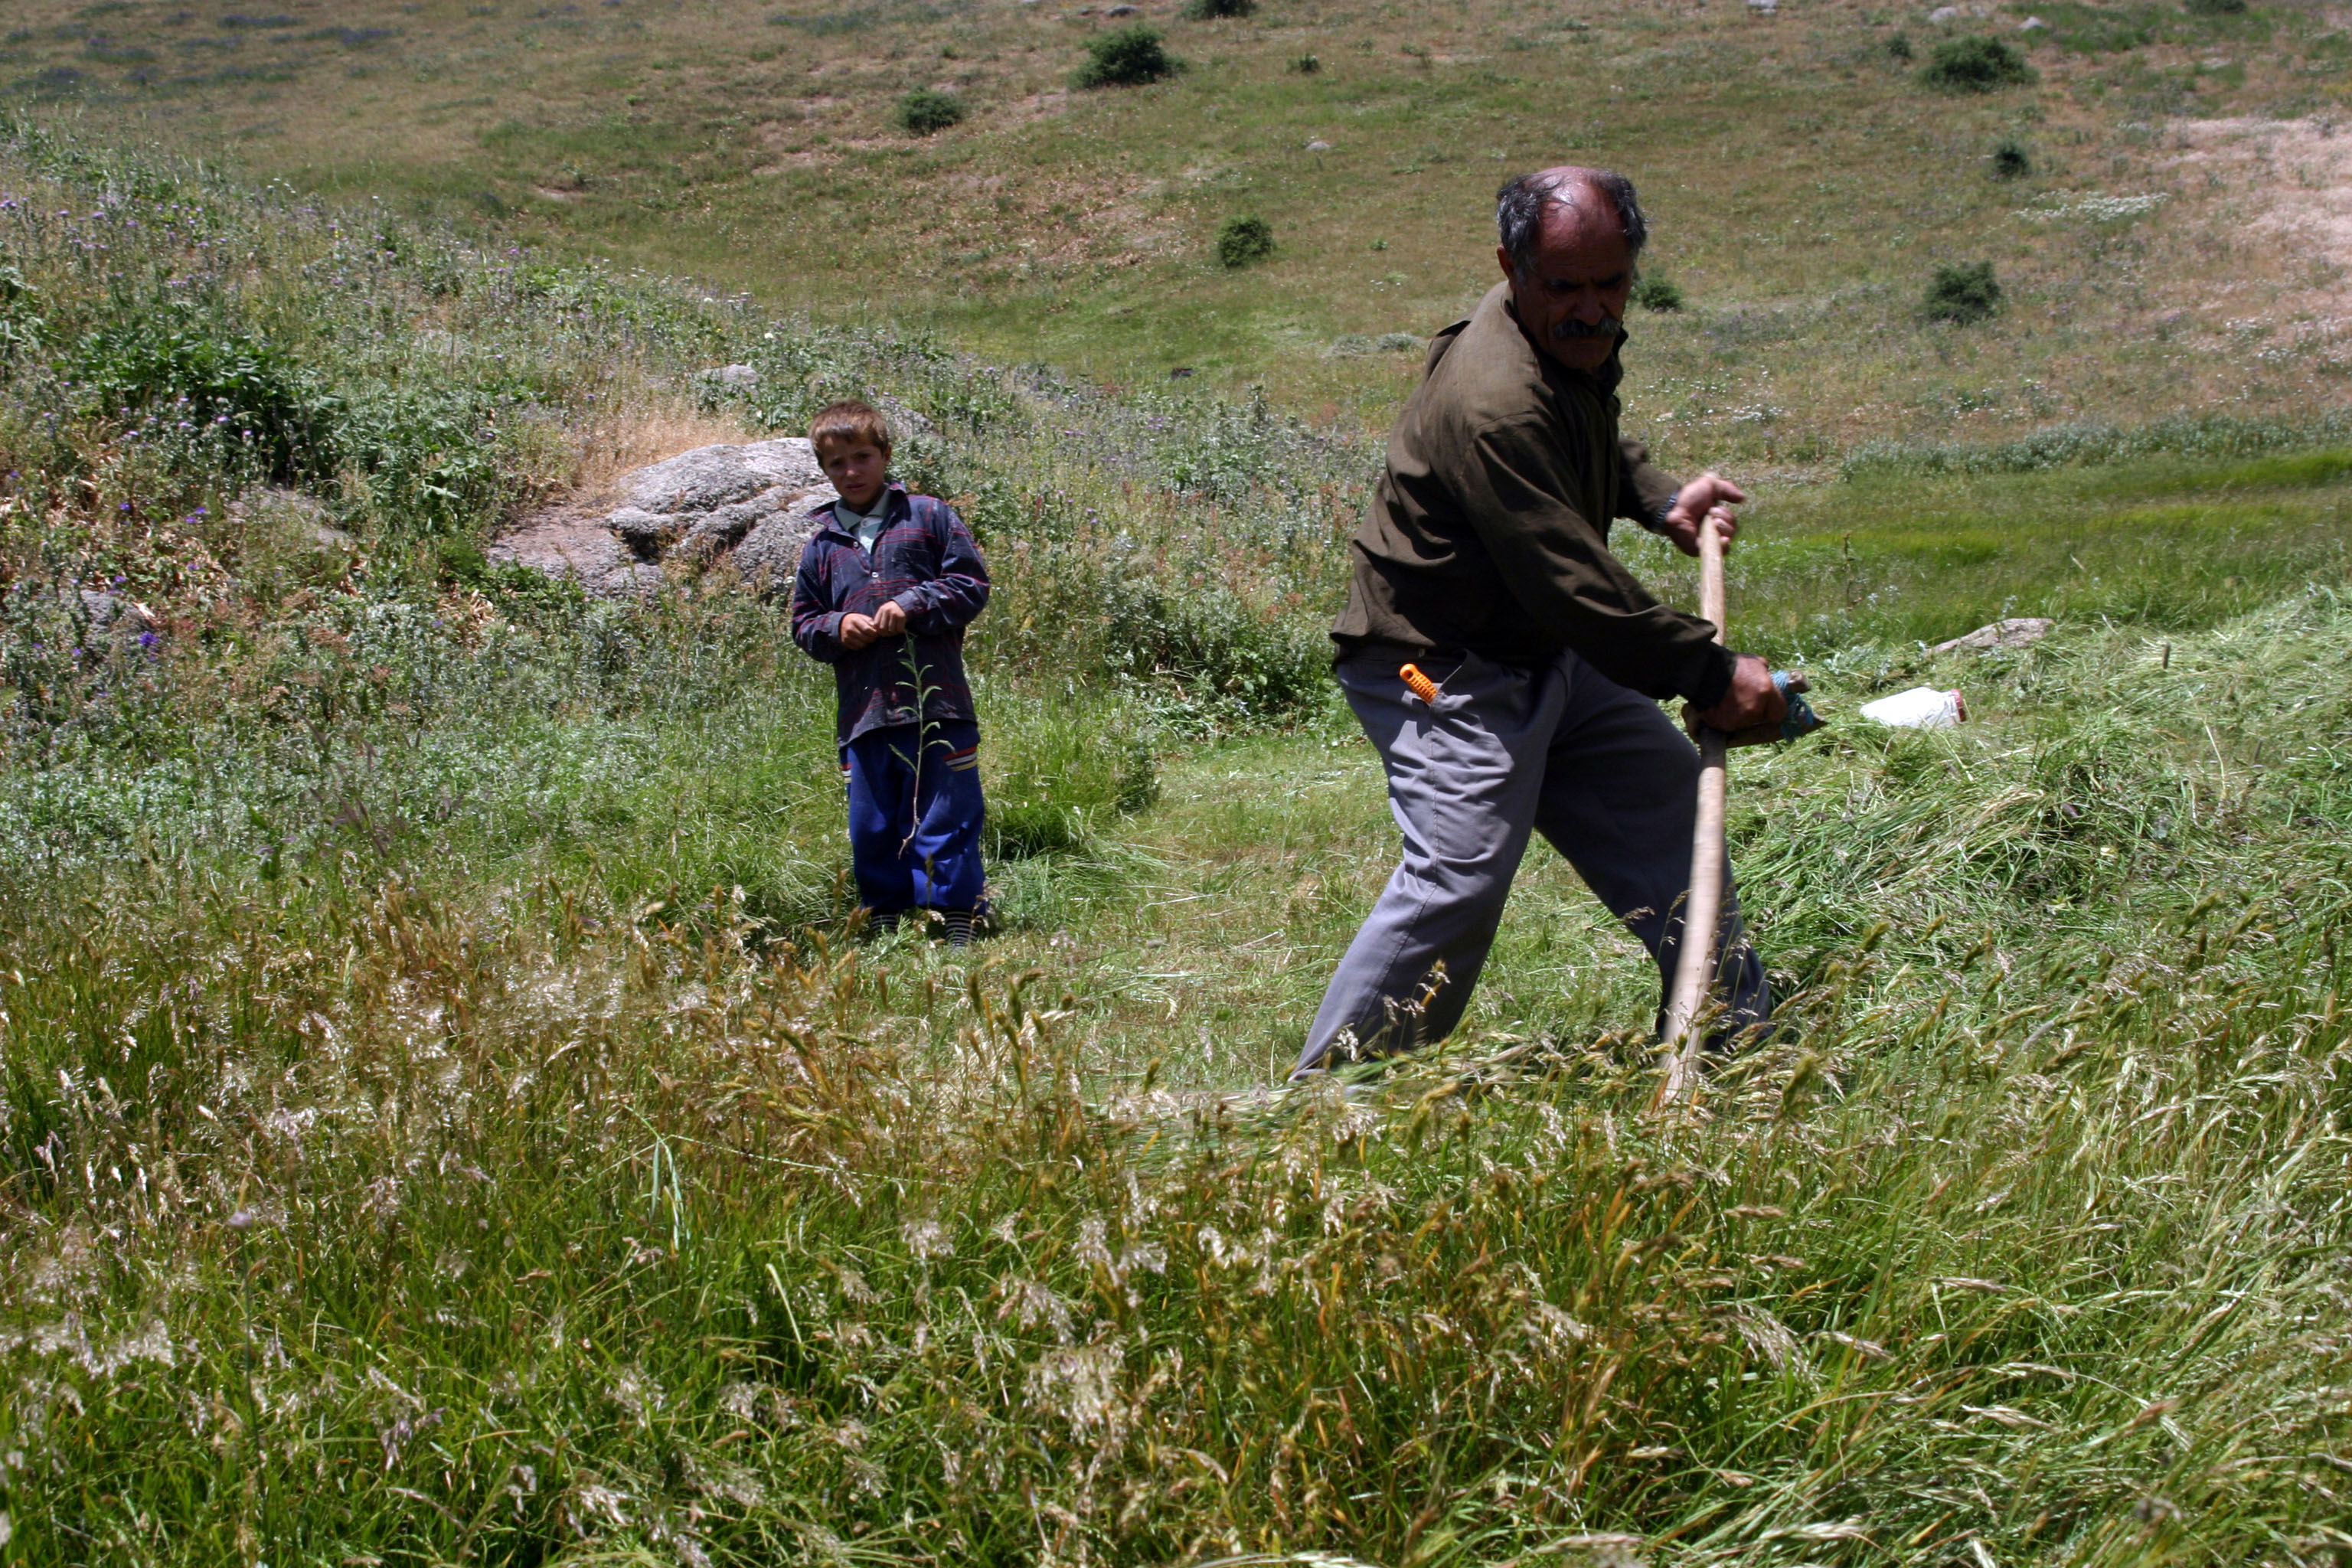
[373, 1217]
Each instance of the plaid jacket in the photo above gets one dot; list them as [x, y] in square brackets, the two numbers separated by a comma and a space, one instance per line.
[925, 558]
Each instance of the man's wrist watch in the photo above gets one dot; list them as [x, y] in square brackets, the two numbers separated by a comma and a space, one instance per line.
[1658, 518]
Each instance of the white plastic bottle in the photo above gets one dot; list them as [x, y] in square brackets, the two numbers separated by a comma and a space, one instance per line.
[1921, 708]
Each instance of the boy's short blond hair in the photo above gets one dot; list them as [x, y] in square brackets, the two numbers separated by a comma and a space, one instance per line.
[853, 423]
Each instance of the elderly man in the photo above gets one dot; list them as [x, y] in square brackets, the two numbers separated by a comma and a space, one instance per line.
[1485, 560]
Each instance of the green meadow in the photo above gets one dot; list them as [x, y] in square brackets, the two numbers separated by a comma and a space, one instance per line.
[450, 1114]
[2160, 253]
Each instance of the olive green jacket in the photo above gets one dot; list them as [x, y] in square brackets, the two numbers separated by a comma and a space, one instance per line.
[1489, 532]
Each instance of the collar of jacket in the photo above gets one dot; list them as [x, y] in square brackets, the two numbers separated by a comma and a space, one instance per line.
[1603, 380]
[892, 490]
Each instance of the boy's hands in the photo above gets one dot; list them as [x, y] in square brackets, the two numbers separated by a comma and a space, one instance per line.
[864, 631]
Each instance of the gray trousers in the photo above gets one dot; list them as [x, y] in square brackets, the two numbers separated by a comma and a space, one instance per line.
[1600, 770]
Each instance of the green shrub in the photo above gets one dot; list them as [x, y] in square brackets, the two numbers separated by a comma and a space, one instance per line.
[1306, 65]
[1242, 240]
[210, 393]
[2010, 161]
[1975, 64]
[460, 563]
[1655, 292]
[1899, 46]
[1217, 10]
[426, 459]
[927, 109]
[2216, 7]
[1127, 57]
[1963, 293]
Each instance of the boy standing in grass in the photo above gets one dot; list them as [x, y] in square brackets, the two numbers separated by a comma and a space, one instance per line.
[887, 585]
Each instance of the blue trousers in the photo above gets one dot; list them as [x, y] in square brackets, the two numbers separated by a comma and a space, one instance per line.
[1561, 751]
[914, 816]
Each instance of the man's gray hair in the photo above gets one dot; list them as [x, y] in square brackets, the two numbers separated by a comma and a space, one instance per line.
[1520, 206]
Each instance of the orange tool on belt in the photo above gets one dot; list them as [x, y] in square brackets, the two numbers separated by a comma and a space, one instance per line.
[1420, 685]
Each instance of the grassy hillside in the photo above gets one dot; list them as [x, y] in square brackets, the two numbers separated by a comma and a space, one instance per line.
[446, 1119]
[2162, 252]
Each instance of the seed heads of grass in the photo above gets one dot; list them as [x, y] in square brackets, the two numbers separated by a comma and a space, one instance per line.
[927, 111]
[1975, 64]
[1127, 57]
[1963, 293]
[1244, 240]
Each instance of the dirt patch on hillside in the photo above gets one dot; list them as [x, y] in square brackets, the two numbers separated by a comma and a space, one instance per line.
[2293, 182]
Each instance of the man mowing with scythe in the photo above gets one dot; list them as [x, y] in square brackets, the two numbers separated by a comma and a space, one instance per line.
[1504, 664]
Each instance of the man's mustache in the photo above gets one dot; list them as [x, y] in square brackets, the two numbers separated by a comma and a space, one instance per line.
[1568, 329]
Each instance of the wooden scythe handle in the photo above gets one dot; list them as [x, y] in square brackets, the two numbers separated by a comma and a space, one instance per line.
[1695, 965]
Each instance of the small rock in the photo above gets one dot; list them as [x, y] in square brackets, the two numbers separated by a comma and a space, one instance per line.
[1121, 11]
[904, 422]
[290, 514]
[732, 375]
[111, 614]
[1318, 146]
[1943, 14]
[2033, 25]
[2023, 631]
[1765, 8]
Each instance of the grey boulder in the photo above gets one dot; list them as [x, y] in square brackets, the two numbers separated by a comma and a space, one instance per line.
[749, 506]
[770, 550]
[663, 501]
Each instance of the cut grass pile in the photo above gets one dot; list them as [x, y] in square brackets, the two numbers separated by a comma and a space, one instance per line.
[442, 1116]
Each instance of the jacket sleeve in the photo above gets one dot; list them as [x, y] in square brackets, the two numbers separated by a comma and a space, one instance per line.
[1564, 577]
[815, 626]
[955, 597]
[1643, 491]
